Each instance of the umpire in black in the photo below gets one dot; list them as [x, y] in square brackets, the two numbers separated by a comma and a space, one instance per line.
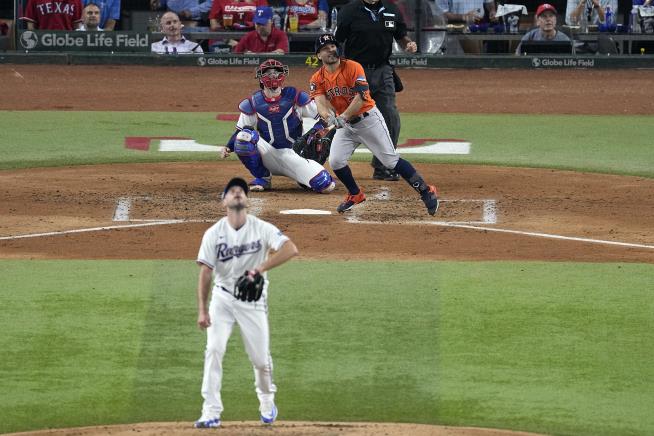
[366, 29]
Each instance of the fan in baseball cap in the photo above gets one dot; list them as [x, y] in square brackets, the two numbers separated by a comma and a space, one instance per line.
[236, 181]
[262, 15]
[544, 8]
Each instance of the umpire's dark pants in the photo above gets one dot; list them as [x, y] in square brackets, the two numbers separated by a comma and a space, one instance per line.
[382, 90]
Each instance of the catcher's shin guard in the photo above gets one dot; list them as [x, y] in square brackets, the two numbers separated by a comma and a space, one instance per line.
[245, 147]
[322, 182]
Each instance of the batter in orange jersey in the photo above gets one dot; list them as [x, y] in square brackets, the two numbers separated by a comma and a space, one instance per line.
[341, 86]
[340, 90]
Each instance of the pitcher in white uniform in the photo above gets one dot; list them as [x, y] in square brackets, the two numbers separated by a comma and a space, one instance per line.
[237, 243]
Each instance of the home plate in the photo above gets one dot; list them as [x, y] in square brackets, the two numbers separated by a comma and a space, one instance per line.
[305, 212]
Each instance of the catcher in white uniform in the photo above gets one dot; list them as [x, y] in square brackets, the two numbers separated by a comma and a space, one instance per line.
[237, 248]
[269, 124]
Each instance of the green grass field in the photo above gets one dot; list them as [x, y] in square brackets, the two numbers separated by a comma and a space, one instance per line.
[561, 348]
[608, 144]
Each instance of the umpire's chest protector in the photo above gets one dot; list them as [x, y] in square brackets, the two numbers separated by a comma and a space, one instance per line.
[278, 123]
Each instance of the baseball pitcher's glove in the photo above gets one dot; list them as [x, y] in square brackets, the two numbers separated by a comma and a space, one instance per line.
[249, 288]
[315, 144]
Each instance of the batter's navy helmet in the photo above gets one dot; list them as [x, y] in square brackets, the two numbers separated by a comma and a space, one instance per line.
[324, 39]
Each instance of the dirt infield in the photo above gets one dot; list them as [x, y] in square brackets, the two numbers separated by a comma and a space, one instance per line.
[488, 213]
[288, 428]
[537, 212]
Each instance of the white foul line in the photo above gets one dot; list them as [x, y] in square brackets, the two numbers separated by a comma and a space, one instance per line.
[90, 229]
[550, 236]
[516, 232]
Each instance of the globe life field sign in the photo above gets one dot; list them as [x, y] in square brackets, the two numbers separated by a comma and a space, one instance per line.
[48, 40]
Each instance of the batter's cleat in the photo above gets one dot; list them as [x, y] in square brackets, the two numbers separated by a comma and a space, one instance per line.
[207, 423]
[260, 184]
[385, 174]
[350, 201]
[430, 198]
[269, 417]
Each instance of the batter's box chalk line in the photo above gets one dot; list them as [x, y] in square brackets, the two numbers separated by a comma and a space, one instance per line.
[124, 206]
[488, 212]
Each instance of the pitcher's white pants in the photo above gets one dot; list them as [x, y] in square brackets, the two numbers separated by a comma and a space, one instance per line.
[286, 162]
[252, 318]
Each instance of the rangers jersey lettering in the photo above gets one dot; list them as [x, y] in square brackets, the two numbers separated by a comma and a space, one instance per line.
[242, 12]
[225, 252]
[307, 13]
[230, 252]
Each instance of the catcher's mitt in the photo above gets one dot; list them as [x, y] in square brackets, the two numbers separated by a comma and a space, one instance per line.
[249, 288]
[315, 144]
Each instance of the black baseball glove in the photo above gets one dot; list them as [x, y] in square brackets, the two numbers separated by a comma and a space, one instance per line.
[315, 144]
[249, 288]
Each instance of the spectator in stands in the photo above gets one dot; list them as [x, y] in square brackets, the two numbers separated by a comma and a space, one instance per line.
[468, 12]
[90, 18]
[279, 12]
[546, 30]
[53, 15]
[173, 41]
[6, 24]
[594, 10]
[312, 14]
[109, 12]
[234, 14]
[193, 13]
[264, 38]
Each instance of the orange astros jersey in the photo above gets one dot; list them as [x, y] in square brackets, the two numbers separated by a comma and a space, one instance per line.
[341, 86]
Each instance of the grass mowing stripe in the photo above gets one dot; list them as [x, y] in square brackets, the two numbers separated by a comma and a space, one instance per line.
[561, 344]
[71, 332]
[560, 348]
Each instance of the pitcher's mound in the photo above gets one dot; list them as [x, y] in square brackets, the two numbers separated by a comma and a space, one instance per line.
[241, 428]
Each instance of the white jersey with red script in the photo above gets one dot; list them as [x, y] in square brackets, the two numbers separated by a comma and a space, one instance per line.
[53, 14]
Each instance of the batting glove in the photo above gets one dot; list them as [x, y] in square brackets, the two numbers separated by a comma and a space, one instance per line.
[338, 121]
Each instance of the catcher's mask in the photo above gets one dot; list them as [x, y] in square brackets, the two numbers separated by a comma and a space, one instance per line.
[271, 74]
[326, 39]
